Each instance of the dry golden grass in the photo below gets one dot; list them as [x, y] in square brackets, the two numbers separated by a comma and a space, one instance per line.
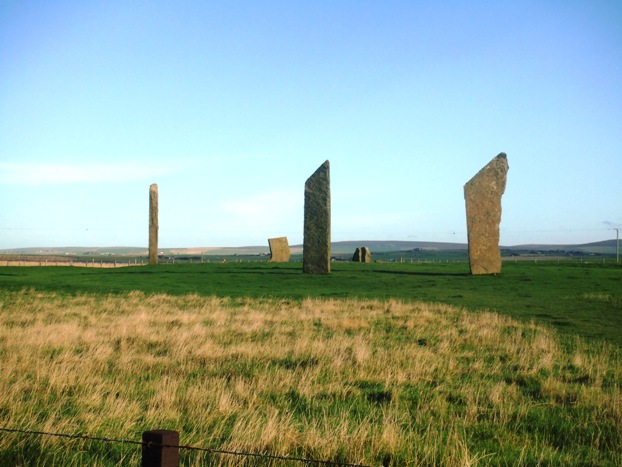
[357, 381]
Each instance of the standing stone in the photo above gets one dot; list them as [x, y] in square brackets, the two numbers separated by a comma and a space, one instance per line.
[362, 255]
[316, 244]
[153, 224]
[482, 195]
[279, 250]
[356, 257]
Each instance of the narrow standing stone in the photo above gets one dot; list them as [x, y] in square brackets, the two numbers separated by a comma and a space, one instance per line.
[316, 244]
[153, 224]
[356, 257]
[482, 195]
[279, 250]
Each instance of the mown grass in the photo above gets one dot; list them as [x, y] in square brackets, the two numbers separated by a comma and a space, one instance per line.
[374, 381]
[578, 299]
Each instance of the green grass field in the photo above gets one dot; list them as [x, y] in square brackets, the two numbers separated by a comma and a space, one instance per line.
[381, 364]
[576, 298]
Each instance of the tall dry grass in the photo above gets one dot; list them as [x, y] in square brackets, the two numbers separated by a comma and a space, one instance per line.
[373, 382]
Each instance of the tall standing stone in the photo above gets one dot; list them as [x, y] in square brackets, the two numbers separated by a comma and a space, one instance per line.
[279, 250]
[153, 224]
[482, 195]
[316, 244]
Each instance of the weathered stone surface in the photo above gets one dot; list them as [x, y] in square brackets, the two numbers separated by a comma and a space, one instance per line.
[366, 255]
[316, 244]
[356, 257]
[482, 195]
[279, 250]
[153, 224]
[362, 255]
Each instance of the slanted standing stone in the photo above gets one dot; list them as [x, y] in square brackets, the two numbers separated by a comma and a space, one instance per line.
[362, 255]
[316, 244]
[279, 250]
[153, 224]
[482, 195]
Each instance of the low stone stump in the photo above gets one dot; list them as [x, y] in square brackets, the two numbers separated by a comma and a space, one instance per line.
[279, 250]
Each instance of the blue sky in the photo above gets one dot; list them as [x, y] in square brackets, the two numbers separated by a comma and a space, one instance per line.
[230, 106]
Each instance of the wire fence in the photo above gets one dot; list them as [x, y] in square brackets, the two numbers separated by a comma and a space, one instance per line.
[585, 258]
[148, 445]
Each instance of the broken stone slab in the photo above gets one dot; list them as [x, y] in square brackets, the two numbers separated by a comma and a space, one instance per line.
[316, 243]
[482, 195]
[153, 224]
[362, 255]
[279, 250]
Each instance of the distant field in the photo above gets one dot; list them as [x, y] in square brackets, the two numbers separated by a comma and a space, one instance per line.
[381, 249]
[391, 382]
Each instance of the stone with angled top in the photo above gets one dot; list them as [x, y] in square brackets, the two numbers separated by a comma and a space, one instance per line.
[482, 195]
[316, 243]
[279, 250]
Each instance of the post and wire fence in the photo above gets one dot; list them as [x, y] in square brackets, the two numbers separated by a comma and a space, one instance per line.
[162, 448]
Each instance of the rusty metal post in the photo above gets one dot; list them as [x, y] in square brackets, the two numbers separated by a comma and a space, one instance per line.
[156, 452]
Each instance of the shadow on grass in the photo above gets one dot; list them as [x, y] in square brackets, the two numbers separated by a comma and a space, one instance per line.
[252, 271]
[283, 271]
[423, 273]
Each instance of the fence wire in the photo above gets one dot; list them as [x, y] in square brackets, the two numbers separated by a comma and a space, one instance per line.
[180, 447]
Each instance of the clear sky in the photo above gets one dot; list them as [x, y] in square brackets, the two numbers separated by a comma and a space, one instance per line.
[230, 106]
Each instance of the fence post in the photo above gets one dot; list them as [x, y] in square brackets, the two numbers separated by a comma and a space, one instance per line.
[154, 452]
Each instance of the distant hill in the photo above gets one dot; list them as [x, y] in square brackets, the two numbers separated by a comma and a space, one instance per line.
[337, 248]
[603, 247]
[383, 246]
[73, 250]
[604, 243]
